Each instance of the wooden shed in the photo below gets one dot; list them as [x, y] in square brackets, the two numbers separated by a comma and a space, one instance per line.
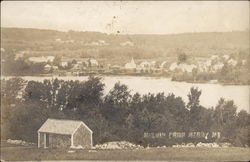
[57, 133]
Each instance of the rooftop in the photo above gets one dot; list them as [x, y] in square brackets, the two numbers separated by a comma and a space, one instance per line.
[59, 126]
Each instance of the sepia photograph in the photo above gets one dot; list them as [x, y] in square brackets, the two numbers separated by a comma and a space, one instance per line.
[125, 81]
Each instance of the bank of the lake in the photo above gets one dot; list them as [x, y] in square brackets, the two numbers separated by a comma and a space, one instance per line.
[168, 76]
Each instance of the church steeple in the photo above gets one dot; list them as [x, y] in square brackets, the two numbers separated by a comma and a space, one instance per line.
[132, 61]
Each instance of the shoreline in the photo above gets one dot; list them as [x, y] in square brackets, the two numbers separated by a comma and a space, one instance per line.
[128, 75]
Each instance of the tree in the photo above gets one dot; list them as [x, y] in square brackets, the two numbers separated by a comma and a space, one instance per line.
[117, 115]
[90, 96]
[119, 95]
[116, 103]
[74, 61]
[17, 67]
[182, 57]
[176, 112]
[147, 120]
[225, 117]
[242, 137]
[10, 99]
[130, 121]
[57, 60]
[136, 99]
[243, 119]
[194, 107]
[10, 90]
[27, 119]
[194, 73]
[193, 98]
[99, 125]
[36, 91]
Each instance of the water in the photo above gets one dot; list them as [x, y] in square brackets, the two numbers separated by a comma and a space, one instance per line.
[211, 93]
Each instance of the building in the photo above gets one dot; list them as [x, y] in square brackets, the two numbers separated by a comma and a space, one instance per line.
[56, 133]
[64, 64]
[92, 62]
[76, 67]
[21, 54]
[232, 62]
[131, 65]
[163, 65]
[47, 67]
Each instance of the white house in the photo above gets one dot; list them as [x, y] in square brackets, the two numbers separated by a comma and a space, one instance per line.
[64, 64]
[47, 67]
[54, 67]
[92, 62]
[232, 62]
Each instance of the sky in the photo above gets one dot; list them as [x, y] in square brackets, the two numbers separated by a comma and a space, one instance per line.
[127, 17]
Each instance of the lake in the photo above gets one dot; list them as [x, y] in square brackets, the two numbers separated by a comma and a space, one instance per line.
[211, 93]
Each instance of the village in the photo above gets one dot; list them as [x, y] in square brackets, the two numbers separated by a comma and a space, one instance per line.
[181, 68]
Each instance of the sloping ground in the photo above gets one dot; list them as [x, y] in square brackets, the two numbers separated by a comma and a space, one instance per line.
[43, 42]
[176, 154]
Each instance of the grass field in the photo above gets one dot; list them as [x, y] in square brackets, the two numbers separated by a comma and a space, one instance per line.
[11, 153]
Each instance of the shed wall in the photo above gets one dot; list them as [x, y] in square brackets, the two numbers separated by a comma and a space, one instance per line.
[59, 141]
[82, 137]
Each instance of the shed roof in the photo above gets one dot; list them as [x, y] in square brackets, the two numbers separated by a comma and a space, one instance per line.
[59, 126]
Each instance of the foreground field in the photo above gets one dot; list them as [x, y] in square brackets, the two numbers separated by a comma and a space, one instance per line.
[11, 153]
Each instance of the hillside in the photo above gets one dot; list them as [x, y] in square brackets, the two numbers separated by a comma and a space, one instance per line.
[116, 47]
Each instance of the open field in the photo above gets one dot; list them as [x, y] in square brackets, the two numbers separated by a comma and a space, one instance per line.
[177, 154]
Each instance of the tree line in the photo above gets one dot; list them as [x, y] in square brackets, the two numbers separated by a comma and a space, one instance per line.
[118, 115]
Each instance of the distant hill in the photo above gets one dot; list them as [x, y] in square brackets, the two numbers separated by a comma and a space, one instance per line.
[27, 34]
[105, 46]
